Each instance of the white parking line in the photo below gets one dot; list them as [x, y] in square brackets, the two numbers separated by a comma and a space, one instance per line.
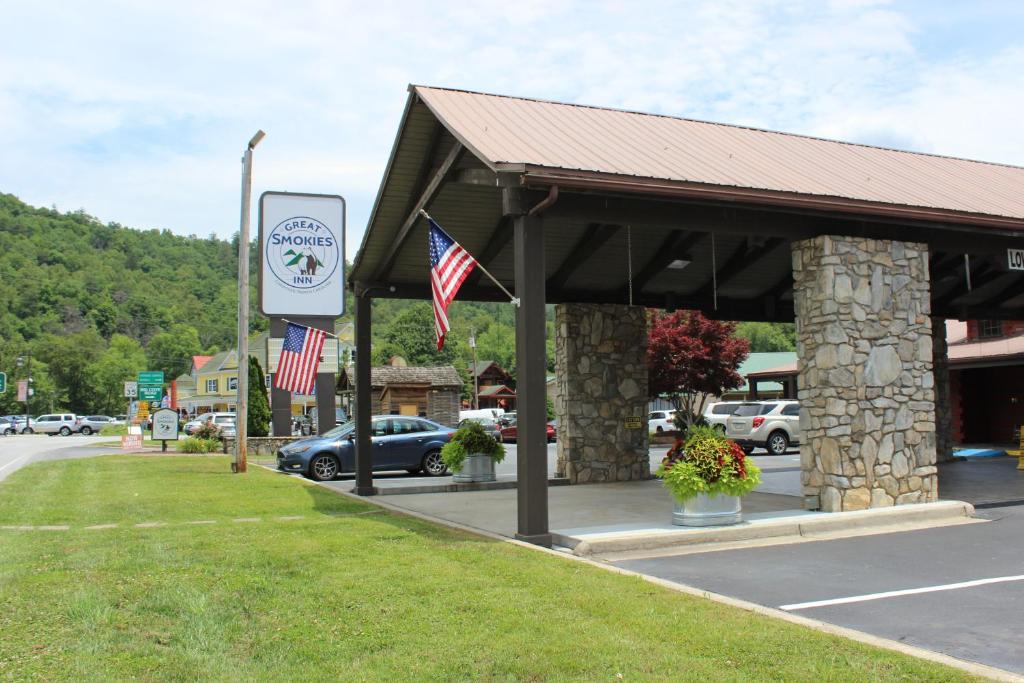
[896, 594]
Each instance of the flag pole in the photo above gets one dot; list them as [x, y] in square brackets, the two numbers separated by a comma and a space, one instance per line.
[513, 299]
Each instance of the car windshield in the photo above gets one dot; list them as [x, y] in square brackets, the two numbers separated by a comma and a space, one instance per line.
[340, 430]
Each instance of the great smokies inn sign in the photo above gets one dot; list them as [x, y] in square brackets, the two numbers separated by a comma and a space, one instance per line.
[302, 254]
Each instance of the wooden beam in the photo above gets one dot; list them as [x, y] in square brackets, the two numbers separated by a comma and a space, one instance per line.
[426, 197]
[1007, 293]
[593, 238]
[500, 236]
[744, 256]
[981, 274]
[672, 247]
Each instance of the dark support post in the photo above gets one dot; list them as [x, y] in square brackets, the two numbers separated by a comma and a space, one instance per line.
[280, 400]
[531, 362]
[364, 454]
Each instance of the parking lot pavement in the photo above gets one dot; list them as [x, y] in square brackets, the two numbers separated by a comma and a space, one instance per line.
[18, 451]
[956, 590]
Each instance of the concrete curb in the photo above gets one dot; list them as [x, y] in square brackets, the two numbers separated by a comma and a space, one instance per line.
[865, 522]
[974, 668]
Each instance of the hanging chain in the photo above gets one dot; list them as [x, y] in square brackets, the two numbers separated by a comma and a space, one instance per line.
[629, 260]
[714, 272]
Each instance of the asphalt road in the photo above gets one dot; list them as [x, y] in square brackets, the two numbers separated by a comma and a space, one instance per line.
[18, 451]
[960, 589]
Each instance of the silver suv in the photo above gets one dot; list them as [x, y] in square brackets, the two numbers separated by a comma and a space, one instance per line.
[717, 414]
[772, 425]
[59, 423]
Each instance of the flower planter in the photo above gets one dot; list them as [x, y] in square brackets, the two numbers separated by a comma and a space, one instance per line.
[476, 468]
[705, 510]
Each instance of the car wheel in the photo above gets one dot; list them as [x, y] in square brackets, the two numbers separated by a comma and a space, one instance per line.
[323, 467]
[748, 449]
[86, 430]
[720, 428]
[659, 430]
[10, 431]
[28, 430]
[778, 442]
[65, 431]
[433, 465]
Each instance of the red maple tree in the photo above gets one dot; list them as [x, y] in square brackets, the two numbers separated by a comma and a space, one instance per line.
[690, 358]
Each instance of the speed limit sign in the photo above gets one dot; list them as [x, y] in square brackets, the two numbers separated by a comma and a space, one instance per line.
[131, 389]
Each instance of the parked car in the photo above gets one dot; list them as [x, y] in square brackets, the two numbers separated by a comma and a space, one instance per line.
[507, 419]
[772, 425]
[716, 414]
[219, 419]
[92, 423]
[660, 421]
[119, 420]
[490, 425]
[56, 423]
[18, 424]
[493, 413]
[511, 432]
[340, 418]
[6, 426]
[399, 443]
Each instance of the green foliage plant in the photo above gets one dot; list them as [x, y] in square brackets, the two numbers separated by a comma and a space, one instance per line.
[194, 444]
[258, 416]
[470, 439]
[708, 463]
[207, 431]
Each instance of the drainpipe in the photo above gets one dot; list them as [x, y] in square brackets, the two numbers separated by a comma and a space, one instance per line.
[545, 203]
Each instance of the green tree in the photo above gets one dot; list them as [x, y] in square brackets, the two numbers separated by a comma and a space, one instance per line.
[70, 359]
[172, 351]
[765, 337]
[258, 417]
[121, 362]
[411, 333]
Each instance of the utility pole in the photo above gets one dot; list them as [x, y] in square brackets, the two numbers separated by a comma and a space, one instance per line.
[242, 386]
[28, 388]
[476, 377]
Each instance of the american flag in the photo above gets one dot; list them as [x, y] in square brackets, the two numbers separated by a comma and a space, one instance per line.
[300, 355]
[450, 264]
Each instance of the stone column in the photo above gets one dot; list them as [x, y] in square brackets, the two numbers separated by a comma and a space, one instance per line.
[601, 369]
[866, 389]
[943, 405]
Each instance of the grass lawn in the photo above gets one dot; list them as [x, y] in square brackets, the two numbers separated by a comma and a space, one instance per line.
[345, 592]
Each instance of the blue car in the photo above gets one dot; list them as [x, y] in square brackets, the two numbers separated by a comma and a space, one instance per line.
[412, 444]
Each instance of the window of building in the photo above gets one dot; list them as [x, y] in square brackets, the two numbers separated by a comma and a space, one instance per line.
[211, 386]
[232, 384]
[990, 328]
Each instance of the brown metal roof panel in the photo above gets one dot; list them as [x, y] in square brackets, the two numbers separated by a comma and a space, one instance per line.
[560, 136]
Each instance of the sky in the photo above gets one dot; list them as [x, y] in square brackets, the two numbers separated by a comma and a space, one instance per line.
[138, 112]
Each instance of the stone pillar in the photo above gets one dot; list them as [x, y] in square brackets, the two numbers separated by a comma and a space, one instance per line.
[601, 368]
[866, 389]
[943, 405]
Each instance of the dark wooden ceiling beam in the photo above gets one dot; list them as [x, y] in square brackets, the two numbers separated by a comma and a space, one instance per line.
[594, 237]
[1011, 291]
[981, 275]
[426, 196]
[674, 246]
[744, 256]
[500, 236]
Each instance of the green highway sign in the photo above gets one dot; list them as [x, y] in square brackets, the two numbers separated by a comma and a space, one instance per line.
[3, 382]
[151, 378]
[150, 393]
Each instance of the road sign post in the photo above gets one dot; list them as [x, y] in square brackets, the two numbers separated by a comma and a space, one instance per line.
[165, 427]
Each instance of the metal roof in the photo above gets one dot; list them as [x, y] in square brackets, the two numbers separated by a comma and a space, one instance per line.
[524, 135]
[385, 375]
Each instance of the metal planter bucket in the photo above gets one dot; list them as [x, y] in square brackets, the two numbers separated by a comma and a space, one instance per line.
[705, 510]
[476, 468]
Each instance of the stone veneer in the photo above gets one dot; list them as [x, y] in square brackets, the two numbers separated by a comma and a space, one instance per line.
[866, 389]
[601, 368]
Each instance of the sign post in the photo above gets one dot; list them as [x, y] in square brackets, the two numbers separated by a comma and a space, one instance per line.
[165, 427]
[302, 263]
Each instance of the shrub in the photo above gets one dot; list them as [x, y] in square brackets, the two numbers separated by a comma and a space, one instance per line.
[708, 463]
[207, 430]
[470, 439]
[195, 444]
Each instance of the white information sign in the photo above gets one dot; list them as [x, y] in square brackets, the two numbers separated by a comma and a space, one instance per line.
[165, 425]
[131, 389]
[1015, 259]
[302, 254]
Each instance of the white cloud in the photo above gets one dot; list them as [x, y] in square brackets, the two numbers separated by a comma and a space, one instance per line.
[139, 113]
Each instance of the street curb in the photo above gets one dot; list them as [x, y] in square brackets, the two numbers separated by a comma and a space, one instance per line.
[864, 522]
[973, 668]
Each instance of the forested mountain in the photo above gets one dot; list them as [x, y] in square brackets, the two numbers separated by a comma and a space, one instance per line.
[93, 304]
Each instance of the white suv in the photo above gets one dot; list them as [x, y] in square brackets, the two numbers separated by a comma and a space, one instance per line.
[717, 414]
[661, 421]
[59, 423]
[772, 425]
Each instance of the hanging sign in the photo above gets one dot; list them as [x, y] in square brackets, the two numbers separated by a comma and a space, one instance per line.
[1015, 259]
[22, 390]
[302, 254]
